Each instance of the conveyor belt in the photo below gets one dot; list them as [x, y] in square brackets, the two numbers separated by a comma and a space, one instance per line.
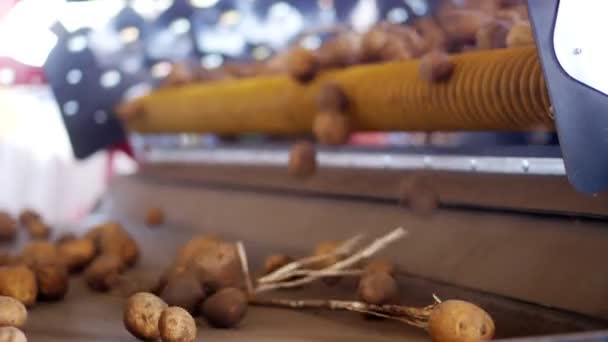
[501, 90]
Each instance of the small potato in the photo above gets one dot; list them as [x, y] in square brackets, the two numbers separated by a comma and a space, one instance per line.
[19, 282]
[77, 253]
[275, 261]
[226, 308]
[418, 193]
[331, 128]
[38, 230]
[28, 215]
[37, 252]
[141, 315]
[326, 248]
[176, 325]
[436, 66]
[184, 291]
[12, 334]
[167, 275]
[155, 216]
[103, 273]
[302, 160]
[218, 268]
[52, 280]
[65, 237]
[462, 24]
[302, 65]
[179, 75]
[332, 98]
[378, 288]
[380, 266]
[520, 35]
[8, 227]
[492, 35]
[373, 42]
[114, 239]
[12, 312]
[460, 321]
[196, 245]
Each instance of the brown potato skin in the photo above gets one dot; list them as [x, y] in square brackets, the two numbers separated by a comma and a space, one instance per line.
[184, 291]
[155, 216]
[76, 254]
[52, 280]
[331, 128]
[302, 65]
[274, 262]
[460, 321]
[226, 308]
[103, 273]
[19, 282]
[12, 334]
[197, 245]
[141, 315]
[176, 325]
[8, 227]
[37, 252]
[332, 98]
[302, 160]
[12, 312]
[436, 66]
[218, 268]
[380, 266]
[378, 289]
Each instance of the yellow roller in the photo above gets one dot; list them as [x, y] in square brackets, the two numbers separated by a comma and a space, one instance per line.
[489, 90]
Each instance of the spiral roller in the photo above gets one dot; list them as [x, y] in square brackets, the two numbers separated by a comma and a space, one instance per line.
[501, 90]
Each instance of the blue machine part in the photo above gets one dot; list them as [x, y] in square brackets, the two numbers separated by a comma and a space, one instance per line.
[580, 110]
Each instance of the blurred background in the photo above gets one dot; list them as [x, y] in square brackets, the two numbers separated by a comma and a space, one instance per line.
[127, 48]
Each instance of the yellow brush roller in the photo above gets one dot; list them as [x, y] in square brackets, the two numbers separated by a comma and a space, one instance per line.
[490, 90]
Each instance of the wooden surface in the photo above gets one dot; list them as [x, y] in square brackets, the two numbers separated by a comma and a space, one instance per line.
[533, 259]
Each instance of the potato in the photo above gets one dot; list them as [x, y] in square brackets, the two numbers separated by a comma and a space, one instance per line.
[12, 334]
[274, 262]
[323, 248]
[460, 321]
[76, 254]
[378, 288]
[12, 312]
[302, 160]
[302, 65]
[141, 315]
[176, 325]
[226, 308]
[52, 280]
[331, 128]
[38, 230]
[167, 275]
[196, 245]
[436, 66]
[218, 268]
[492, 35]
[155, 216]
[103, 273]
[184, 291]
[332, 98]
[380, 266]
[65, 237]
[40, 252]
[179, 75]
[19, 282]
[8, 227]
[462, 24]
[114, 239]
[520, 35]
[28, 215]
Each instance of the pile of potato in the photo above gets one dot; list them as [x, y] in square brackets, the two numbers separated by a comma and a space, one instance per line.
[205, 278]
[40, 270]
[453, 27]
